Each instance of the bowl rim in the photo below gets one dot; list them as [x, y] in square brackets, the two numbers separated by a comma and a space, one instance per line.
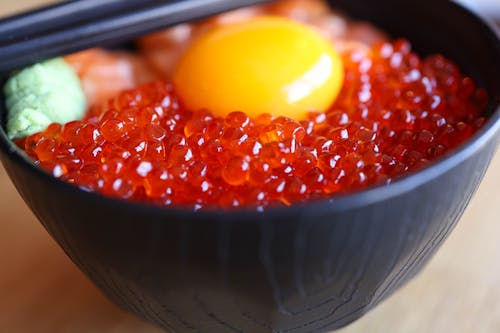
[336, 203]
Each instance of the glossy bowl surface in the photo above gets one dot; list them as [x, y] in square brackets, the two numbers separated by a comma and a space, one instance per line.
[307, 268]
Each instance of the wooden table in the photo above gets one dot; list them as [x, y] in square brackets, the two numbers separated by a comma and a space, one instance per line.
[42, 291]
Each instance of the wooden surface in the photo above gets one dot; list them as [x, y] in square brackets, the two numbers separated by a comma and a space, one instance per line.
[42, 291]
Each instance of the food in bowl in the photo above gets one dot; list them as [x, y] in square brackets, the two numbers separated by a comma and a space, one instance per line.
[270, 105]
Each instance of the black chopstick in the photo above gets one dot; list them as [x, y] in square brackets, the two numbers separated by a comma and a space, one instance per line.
[58, 16]
[108, 29]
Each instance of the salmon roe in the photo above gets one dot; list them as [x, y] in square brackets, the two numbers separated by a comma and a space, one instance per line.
[395, 114]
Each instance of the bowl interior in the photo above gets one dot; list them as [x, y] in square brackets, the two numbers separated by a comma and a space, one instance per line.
[443, 27]
[466, 39]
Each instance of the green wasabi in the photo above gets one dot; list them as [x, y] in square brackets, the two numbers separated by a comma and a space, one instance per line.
[42, 94]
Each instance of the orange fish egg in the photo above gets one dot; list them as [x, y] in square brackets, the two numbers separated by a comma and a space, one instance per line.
[263, 65]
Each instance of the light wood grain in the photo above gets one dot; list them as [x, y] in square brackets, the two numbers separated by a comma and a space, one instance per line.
[42, 291]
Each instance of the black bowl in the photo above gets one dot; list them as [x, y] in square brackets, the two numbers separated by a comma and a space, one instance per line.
[307, 268]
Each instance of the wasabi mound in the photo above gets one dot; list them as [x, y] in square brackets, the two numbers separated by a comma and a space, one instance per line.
[45, 93]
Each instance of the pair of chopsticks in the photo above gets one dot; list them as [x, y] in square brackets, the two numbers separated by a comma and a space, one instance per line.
[77, 25]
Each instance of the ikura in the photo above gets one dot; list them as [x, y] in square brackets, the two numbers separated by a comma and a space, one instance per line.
[394, 115]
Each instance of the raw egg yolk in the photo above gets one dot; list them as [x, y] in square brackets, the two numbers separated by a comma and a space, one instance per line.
[264, 65]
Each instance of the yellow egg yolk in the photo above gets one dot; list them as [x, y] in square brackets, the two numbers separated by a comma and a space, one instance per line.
[264, 65]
